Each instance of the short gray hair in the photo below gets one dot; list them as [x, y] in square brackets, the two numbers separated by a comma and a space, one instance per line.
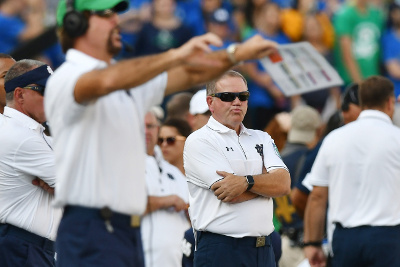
[211, 86]
[20, 67]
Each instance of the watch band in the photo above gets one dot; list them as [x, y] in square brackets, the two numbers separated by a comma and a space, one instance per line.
[250, 182]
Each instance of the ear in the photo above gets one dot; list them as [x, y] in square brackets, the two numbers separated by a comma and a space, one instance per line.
[19, 95]
[210, 100]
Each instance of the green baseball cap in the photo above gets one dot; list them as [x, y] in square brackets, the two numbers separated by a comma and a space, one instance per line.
[95, 5]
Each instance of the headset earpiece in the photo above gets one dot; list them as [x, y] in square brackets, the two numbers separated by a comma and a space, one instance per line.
[75, 23]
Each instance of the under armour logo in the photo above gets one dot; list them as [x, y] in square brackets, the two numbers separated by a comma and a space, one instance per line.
[227, 148]
[260, 150]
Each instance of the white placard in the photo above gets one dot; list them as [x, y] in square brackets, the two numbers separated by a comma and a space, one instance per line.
[298, 68]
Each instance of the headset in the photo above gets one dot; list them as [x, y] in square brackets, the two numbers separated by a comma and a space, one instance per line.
[75, 23]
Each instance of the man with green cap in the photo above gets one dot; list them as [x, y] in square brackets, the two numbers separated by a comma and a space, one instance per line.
[96, 110]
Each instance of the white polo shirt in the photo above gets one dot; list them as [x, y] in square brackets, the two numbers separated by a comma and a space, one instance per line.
[26, 153]
[216, 147]
[163, 230]
[360, 163]
[100, 145]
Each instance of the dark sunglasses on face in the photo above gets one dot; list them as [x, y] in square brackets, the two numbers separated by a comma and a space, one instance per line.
[170, 140]
[106, 13]
[38, 88]
[229, 96]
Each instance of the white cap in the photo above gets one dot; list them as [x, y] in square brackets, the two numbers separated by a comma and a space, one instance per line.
[198, 103]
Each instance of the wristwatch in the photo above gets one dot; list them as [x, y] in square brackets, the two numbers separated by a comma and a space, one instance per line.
[250, 182]
[231, 49]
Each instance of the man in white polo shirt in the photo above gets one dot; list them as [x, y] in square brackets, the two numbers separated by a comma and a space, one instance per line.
[357, 169]
[165, 220]
[96, 110]
[28, 222]
[232, 172]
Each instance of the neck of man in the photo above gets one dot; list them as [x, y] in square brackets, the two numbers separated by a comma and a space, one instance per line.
[100, 54]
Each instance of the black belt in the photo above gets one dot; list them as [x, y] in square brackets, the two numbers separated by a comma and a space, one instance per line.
[105, 214]
[35, 239]
[250, 241]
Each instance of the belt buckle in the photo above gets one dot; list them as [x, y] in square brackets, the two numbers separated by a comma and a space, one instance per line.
[135, 221]
[260, 241]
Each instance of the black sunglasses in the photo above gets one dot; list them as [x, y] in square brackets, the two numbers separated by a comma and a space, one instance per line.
[229, 96]
[170, 140]
[106, 13]
[38, 88]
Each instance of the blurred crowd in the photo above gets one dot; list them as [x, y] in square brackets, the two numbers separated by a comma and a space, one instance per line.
[359, 38]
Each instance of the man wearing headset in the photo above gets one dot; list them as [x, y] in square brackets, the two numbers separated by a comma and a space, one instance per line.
[96, 110]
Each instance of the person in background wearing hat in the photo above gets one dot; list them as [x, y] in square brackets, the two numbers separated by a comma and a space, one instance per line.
[96, 110]
[302, 136]
[165, 220]
[28, 221]
[6, 61]
[357, 168]
[232, 174]
[219, 22]
[350, 104]
[198, 109]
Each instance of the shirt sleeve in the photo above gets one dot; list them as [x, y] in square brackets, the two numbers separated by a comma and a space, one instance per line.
[202, 160]
[36, 158]
[272, 158]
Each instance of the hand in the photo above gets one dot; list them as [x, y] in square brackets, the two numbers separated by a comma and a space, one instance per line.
[177, 203]
[255, 48]
[230, 187]
[43, 185]
[193, 52]
[315, 256]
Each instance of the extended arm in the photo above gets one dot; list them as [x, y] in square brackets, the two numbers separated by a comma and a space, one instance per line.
[130, 73]
[314, 225]
[188, 75]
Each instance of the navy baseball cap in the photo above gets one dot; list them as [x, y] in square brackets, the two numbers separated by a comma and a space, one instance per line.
[219, 16]
[350, 95]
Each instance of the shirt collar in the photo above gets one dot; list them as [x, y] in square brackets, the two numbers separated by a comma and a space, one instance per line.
[215, 125]
[78, 57]
[23, 119]
[376, 114]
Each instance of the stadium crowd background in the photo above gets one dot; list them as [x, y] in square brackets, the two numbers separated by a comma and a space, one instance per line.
[27, 30]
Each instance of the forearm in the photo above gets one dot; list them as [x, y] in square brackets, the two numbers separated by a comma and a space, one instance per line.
[314, 220]
[348, 59]
[156, 203]
[123, 75]
[243, 197]
[393, 68]
[275, 183]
